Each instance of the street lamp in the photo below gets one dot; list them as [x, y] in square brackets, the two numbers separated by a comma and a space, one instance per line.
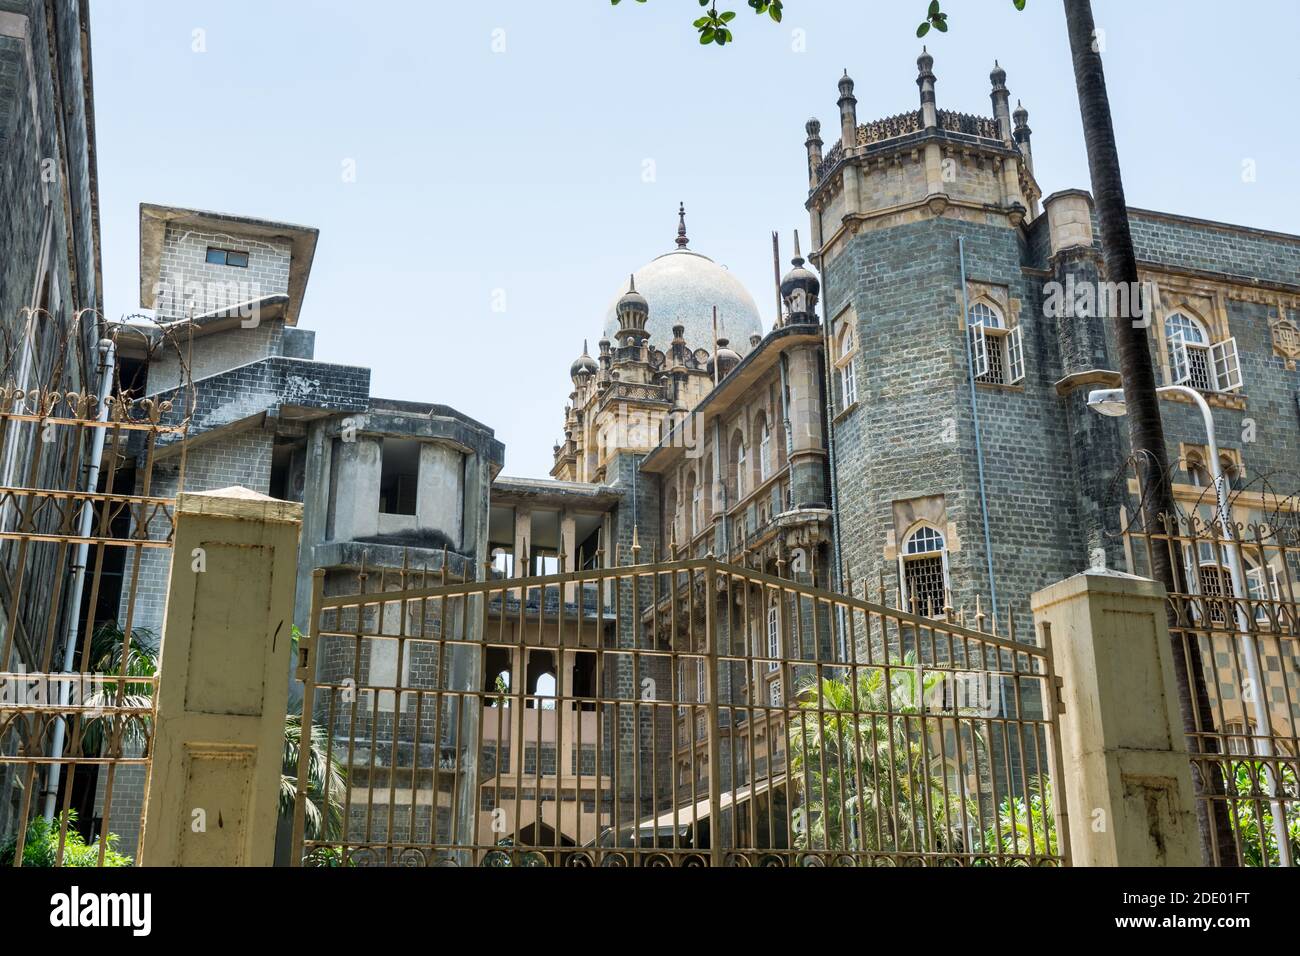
[1110, 402]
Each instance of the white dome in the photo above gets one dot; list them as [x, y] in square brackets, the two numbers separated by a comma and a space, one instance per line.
[682, 287]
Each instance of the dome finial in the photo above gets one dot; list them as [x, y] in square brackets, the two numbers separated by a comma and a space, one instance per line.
[631, 282]
[681, 226]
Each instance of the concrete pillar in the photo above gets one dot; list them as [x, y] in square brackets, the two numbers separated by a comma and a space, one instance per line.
[1126, 774]
[440, 494]
[569, 545]
[807, 457]
[356, 506]
[218, 745]
[523, 540]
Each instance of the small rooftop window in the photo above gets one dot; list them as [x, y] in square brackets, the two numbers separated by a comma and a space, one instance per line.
[227, 257]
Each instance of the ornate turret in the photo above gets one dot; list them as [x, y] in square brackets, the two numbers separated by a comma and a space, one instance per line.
[799, 290]
[679, 353]
[814, 146]
[1021, 134]
[584, 364]
[925, 80]
[848, 104]
[633, 311]
[682, 241]
[724, 359]
[1001, 101]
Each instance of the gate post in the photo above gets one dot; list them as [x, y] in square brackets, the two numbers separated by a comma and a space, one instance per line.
[1126, 775]
[224, 678]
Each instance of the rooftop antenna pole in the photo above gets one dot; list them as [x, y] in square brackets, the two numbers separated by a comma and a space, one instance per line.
[716, 357]
[776, 274]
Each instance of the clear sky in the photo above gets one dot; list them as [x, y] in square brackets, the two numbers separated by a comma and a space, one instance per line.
[502, 146]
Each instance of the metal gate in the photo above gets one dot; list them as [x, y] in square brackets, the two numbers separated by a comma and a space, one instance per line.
[84, 533]
[1235, 624]
[689, 713]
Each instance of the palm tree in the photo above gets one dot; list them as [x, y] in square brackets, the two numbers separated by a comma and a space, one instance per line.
[1146, 431]
[867, 781]
[325, 773]
[1022, 828]
[323, 776]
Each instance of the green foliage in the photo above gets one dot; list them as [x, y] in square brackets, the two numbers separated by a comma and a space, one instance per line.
[1017, 829]
[862, 771]
[715, 27]
[41, 848]
[329, 857]
[108, 643]
[324, 774]
[1252, 812]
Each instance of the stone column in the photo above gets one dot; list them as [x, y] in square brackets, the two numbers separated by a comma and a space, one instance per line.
[1126, 777]
[214, 794]
[1096, 442]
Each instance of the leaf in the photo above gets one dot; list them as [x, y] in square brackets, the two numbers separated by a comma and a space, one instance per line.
[923, 29]
[728, 16]
[934, 8]
[706, 35]
[1020, 4]
[774, 12]
[941, 25]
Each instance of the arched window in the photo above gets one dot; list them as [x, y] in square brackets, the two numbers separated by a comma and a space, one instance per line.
[764, 451]
[671, 537]
[741, 484]
[1197, 473]
[997, 352]
[695, 517]
[923, 572]
[1262, 585]
[846, 370]
[773, 638]
[1197, 361]
[1189, 352]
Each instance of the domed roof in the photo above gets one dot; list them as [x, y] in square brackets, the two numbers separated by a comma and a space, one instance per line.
[682, 287]
[583, 364]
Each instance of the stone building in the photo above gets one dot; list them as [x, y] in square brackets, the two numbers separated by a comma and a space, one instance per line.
[905, 210]
[50, 297]
[914, 421]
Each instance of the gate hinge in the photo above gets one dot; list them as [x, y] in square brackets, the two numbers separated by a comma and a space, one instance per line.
[1059, 686]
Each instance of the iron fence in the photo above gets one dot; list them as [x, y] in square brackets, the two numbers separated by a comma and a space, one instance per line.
[1236, 620]
[682, 713]
[78, 515]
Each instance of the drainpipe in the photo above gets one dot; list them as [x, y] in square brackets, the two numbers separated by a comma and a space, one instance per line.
[785, 428]
[979, 448]
[828, 387]
[107, 362]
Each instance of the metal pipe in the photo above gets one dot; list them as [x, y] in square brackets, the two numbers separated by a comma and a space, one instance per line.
[979, 447]
[107, 364]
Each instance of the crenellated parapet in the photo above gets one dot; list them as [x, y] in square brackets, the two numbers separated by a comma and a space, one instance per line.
[922, 163]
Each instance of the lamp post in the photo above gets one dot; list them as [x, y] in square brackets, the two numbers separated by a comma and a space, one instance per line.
[1110, 402]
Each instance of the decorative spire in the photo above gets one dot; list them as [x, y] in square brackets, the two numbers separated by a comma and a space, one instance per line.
[998, 77]
[924, 62]
[1001, 100]
[681, 226]
[800, 289]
